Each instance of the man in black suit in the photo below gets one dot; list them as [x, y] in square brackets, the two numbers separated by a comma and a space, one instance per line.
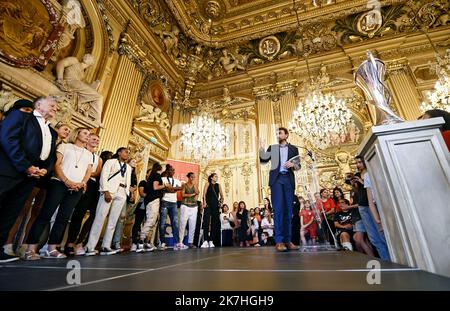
[282, 186]
[27, 152]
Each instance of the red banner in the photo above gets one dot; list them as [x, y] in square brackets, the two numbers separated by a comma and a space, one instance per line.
[182, 169]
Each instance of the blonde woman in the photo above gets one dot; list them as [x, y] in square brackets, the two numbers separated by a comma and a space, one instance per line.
[72, 170]
[63, 130]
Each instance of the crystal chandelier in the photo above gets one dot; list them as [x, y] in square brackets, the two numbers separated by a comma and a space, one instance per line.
[321, 120]
[204, 138]
[439, 98]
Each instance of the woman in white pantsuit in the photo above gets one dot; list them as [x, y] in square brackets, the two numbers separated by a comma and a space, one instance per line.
[115, 183]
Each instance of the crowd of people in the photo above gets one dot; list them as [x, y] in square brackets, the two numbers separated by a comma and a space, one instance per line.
[57, 196]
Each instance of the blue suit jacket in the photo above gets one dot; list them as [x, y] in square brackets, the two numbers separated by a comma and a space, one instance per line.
[273, 154]
[21, 145]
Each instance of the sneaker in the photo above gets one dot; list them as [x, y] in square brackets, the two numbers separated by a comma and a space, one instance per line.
[211, 244]
[149, 247]
[191, 245]
[7, 258]
[90, 252]
[117, 248]
[140, 247]
[162, 247]
[205, 245]
[79, 251]
[107, 251]
[182, 247]
[8, 250]
[133, 247]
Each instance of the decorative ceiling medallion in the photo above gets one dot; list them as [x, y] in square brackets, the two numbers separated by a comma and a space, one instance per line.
[269, 47]
[369, 22]
[157, 96]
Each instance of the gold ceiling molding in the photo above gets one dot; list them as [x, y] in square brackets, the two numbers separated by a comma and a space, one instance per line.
[108, 28]
[314, 38]
[146, 43]
[256, 21]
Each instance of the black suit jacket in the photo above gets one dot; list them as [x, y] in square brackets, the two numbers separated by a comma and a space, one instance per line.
[273, 154]
[21, 145]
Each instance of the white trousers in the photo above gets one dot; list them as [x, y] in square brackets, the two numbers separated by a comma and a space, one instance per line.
[188, 214]
[114, 208]
[151, 218]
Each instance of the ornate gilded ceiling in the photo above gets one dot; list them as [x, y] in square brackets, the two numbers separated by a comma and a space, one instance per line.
[236, 21]
[251, 33]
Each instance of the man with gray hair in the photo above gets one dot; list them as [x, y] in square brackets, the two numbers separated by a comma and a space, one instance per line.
[27, 153]
[71, 73]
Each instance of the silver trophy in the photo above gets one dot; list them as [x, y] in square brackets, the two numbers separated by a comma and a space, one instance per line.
[369, 78]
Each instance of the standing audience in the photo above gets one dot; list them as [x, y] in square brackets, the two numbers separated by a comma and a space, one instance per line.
[139, 214]
[244, 228]
[307, 224]
[371, 222]
[169, 207]
[212, 200]
[115, 181]
[27, 153]
[77, 236]
[129, 203]
[154, 192]
[227, 224]
[72, 170]
[189, 209]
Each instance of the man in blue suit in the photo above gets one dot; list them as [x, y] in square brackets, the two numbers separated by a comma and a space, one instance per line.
[27, 153]
[282, 186]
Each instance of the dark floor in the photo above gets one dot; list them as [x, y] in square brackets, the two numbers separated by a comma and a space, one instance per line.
[217, 269]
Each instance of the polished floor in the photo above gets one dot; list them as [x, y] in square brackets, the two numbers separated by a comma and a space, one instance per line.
[231, 269]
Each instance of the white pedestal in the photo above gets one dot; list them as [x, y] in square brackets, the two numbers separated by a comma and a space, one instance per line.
[409, 165]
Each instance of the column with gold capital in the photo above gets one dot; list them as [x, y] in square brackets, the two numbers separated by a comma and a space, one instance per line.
[401, 83]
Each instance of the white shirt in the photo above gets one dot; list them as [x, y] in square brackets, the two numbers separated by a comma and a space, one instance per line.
[264, 223]
[225, 223]
[75, 162]
[46, 136]
[368, 184]
[284, 149]
[95, 164]
[170, 197]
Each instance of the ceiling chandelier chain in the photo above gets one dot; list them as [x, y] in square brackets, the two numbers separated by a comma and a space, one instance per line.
[204, 138]
[321, 120]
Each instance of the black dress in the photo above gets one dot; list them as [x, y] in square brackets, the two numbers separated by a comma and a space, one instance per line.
[242, 230]
[212, 215]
